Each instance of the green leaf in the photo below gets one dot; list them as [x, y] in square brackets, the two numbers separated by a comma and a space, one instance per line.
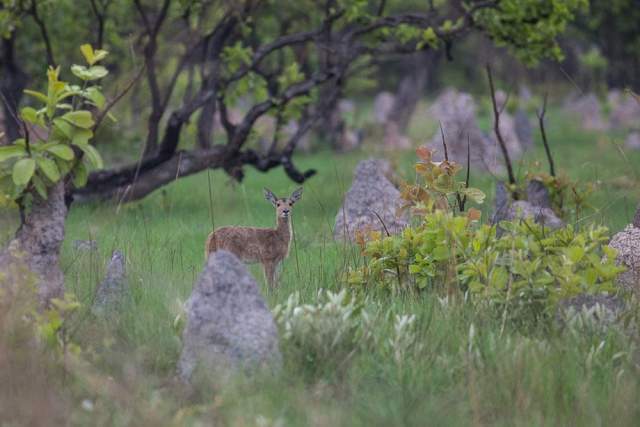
[87, 52]
[9, 151]
[38, 95]
[62, 129]
[92, 155]
[81, 119]
[30, 115]
[92, 56]
[474, 194]
[48, 168]
[94, 94]
[80, 175]
[81, 136]
[87, 74]
[61, 151]
[23, 171]
[575, 253]
[41, 188]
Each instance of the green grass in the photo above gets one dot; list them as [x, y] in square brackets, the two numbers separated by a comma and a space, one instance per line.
[486, 377]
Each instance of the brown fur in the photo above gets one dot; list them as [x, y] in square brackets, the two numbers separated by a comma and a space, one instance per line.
[269, 246]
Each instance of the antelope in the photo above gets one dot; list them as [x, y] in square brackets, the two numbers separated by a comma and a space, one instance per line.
[269, 246]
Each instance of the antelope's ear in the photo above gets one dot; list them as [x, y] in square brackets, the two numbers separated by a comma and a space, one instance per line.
[295, 196]
[268, 194]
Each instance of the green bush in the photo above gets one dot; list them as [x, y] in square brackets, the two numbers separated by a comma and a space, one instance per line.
[523, 273]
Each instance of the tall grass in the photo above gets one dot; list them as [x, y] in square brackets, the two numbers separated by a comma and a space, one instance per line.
[466, 370]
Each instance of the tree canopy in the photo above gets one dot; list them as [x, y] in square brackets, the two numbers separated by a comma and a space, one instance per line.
[193, 60]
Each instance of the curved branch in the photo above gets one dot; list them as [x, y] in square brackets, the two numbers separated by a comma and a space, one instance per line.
[43, 32]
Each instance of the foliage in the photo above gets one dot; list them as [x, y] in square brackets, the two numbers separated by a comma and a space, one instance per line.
[569, 198]
[36, 162]
[530, 27]
[326, 334]
[525, 271]
[441, 189]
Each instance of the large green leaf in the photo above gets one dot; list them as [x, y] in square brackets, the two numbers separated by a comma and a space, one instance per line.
[10, 151]
[92, 73]
[61, 151]
[38, 95]
[30, 115]
[474, 194]
[80, 175]
[92, 155]
[81, 119]
[48, 168]
[41, 188]
[62, 129]
[94, 94]
[23, 171]
[81, 136]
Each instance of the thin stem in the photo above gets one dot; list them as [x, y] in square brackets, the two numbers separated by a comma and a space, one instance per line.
[496, 129]
[541, 113]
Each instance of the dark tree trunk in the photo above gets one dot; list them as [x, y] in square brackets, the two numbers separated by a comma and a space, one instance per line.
[12, 82]
[331, 124]
[419, 68]
[38, 242]
[205, 124]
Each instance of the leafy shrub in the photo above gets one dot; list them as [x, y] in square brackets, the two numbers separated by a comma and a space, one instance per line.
[328, 333]
[61, 148]
[326, 336]
[523, 273]
[437, 186]
[569, 198]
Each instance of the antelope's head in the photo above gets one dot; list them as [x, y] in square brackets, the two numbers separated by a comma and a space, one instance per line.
[283, 205]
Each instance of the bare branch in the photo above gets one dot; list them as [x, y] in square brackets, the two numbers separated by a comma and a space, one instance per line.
[444, 142]
[540, 114]
[44, 33]
[496, 129]
[102, 114]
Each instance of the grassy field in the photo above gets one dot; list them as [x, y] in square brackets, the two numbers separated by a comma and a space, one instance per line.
[463, 368]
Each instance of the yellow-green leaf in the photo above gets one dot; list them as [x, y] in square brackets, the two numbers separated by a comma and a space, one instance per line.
[38, 95]
[87, 52]
[29, 114]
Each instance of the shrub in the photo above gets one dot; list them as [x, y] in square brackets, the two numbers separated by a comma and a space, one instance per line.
[327, 334]
[523, 273]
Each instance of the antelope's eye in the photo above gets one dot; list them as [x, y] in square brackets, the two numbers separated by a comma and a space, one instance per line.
[278, 203]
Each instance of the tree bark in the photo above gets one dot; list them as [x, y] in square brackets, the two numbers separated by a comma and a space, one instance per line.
[39, 239]
[204, 136]
[419, 69]
[12, 82]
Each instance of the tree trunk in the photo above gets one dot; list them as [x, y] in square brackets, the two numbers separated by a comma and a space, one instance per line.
[205, 124]
[12, 82]
[420, 68]
[331, 124]
[39, 239]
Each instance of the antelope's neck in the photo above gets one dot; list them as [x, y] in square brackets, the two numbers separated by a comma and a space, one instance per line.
[284, 227]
